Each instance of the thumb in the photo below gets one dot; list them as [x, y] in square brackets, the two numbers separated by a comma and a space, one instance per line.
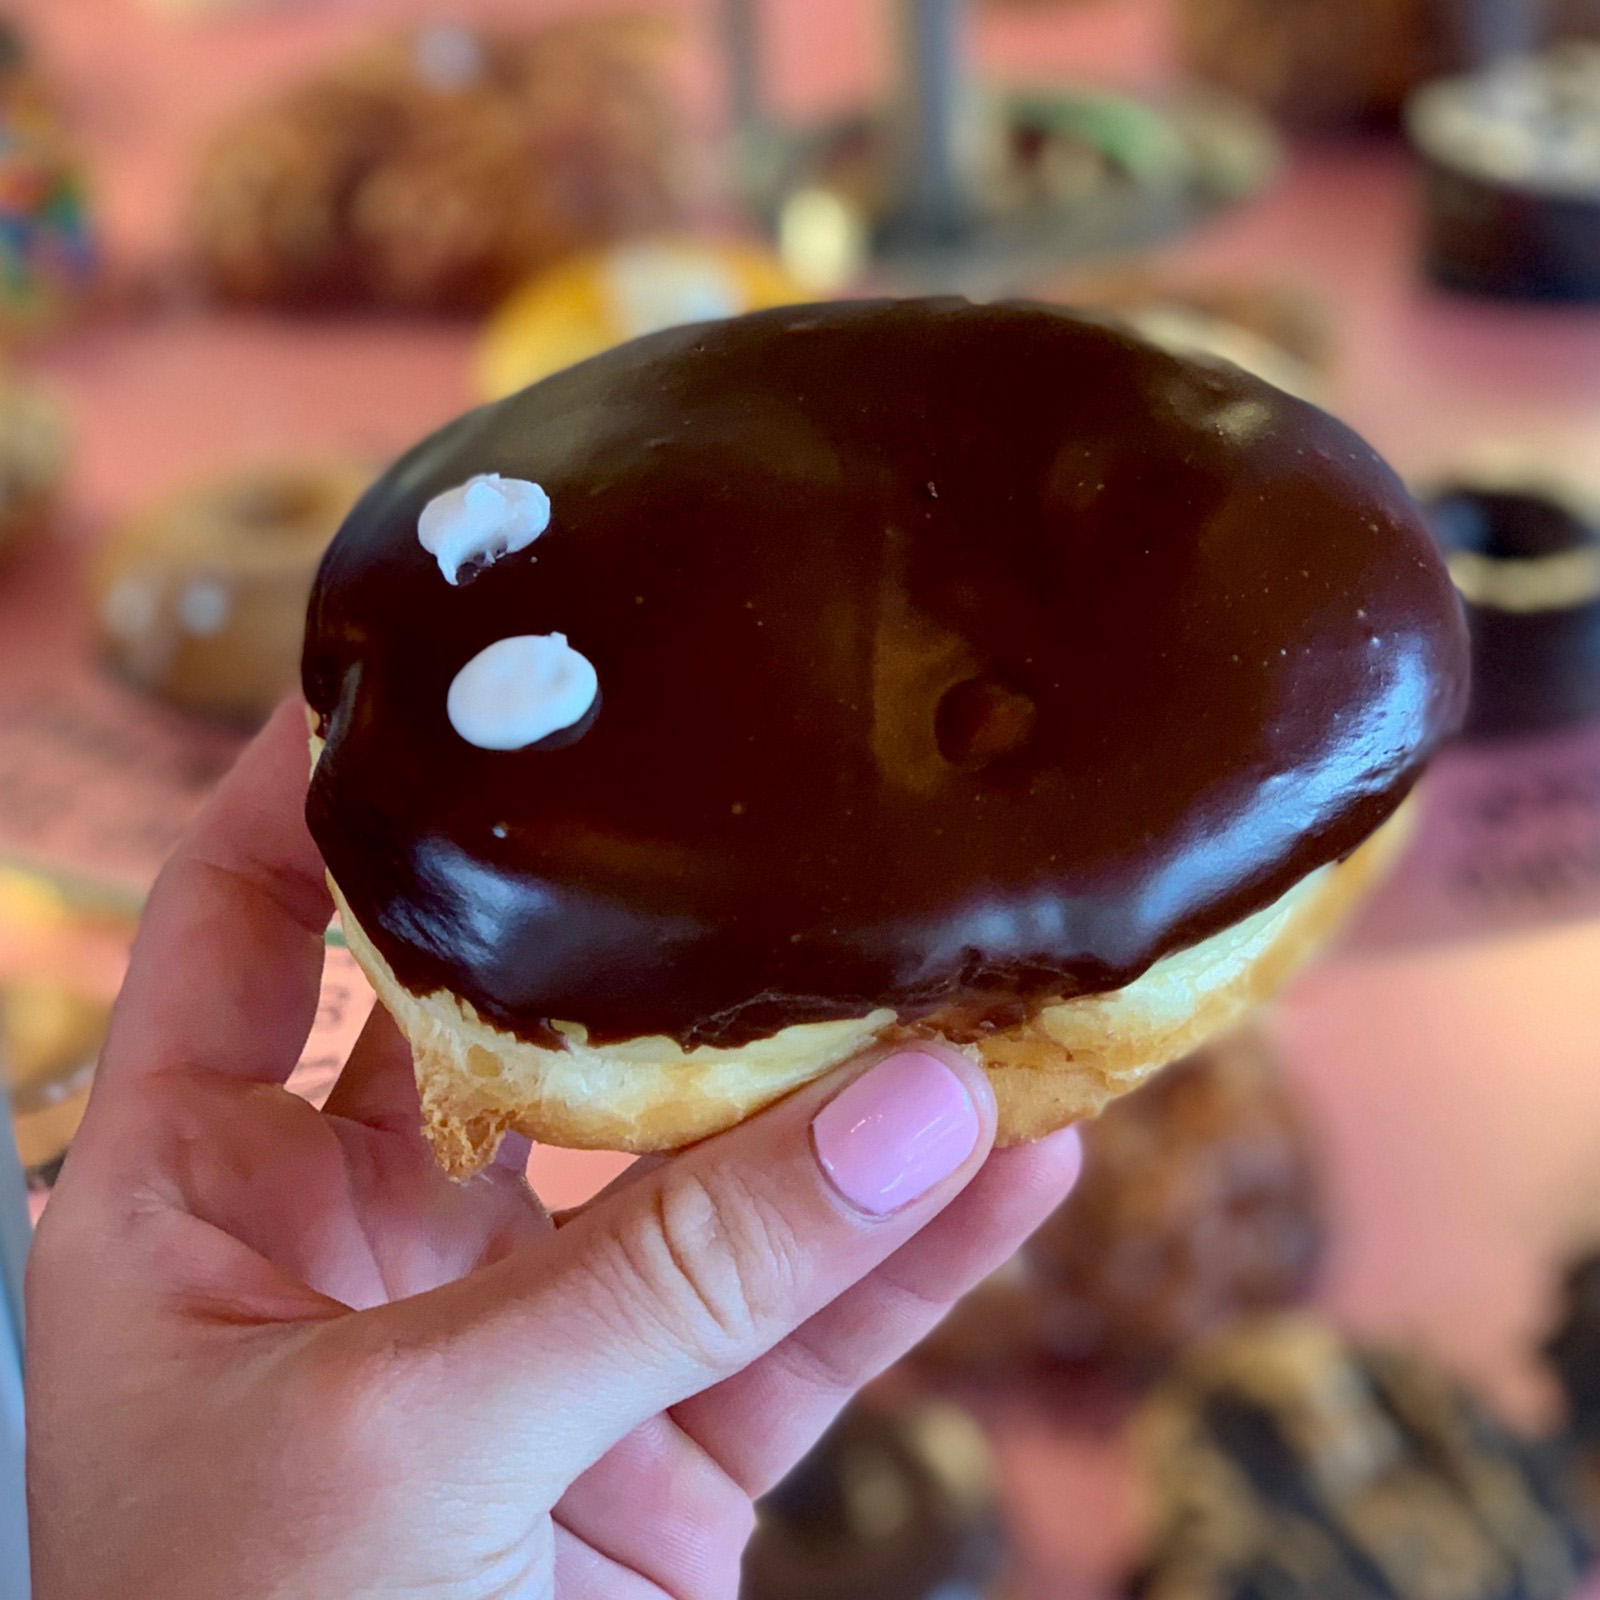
[690, 1274]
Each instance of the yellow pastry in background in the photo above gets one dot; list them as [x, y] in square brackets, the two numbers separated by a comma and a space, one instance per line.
[592, 302]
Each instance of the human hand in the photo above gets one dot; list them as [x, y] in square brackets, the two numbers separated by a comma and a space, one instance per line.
[274, 1352]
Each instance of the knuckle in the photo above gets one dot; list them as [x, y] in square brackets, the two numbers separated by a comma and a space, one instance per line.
[719, 1262]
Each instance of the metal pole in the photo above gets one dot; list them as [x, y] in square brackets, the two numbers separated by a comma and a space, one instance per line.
[936, 134]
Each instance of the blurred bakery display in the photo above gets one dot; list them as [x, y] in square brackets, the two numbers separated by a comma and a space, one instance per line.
[320, 229]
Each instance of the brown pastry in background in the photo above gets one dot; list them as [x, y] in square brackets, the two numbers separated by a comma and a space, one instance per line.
[1319, 63]
[436, 170]
[1198, 1201]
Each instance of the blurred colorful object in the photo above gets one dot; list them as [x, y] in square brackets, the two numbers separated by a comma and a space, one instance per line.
[584, 306]
[47, 250]
[436, 170]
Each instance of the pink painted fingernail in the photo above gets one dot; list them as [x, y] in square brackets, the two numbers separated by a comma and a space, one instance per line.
[896, 1132]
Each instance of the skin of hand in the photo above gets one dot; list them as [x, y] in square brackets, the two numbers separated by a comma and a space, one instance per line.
[274, 1352]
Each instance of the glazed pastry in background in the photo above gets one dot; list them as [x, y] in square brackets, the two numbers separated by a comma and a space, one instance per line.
[582, 307]
[47, 250]
[33, 462]
[200, 598]
[1282, 1461]
[438, 170]
[892, 1504]
[865, 672]
[1198, 1201]
[1275, 332]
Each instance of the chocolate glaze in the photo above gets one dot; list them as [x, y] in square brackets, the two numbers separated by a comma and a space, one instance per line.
[1208, 642]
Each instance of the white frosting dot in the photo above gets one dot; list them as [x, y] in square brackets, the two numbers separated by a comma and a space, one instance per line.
[481, 520]
[520, 690]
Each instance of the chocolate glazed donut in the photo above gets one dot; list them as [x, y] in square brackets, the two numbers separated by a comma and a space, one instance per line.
[956, 664]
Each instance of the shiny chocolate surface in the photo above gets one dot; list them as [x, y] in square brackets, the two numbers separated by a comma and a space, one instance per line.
[949, 656]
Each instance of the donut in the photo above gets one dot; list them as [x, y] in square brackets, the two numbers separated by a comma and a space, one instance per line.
[763, 689]
[890, 1504]
[201, 597]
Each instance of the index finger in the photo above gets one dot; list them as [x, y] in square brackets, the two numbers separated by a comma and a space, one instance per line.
[226, 970]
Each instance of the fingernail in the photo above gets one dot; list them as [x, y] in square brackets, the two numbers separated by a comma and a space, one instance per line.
[896, 1132]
